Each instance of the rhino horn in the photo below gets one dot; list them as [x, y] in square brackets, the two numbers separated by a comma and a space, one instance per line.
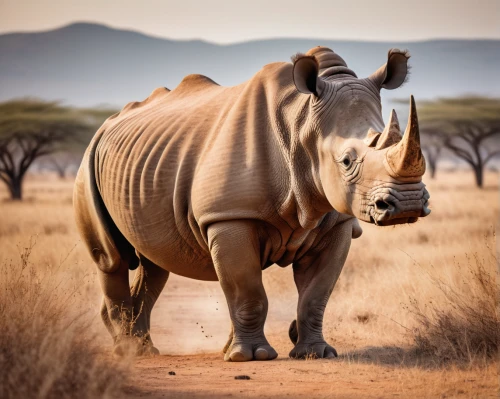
[371, 138]
[391, 134]
[406, 159]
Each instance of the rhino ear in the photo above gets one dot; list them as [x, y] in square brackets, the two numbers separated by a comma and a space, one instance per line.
[395, 72]
[305, 75]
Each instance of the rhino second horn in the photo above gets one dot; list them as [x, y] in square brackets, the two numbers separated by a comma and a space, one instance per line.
[391, 134]
[406, 159]
[371, 138]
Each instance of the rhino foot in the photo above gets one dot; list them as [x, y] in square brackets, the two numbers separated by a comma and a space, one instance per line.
[133, 346]
[247, 352]
[315, 350]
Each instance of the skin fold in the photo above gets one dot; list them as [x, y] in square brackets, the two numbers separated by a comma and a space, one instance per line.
[219, 183]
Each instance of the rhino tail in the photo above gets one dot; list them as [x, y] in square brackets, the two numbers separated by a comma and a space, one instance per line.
[105, 243]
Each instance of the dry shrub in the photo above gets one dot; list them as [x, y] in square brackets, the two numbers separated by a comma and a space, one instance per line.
[462, 324]
[46, 348]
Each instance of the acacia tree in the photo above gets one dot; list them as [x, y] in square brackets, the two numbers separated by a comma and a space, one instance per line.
[62, 162]
[32, 128]
[467, 126]
[432, 146]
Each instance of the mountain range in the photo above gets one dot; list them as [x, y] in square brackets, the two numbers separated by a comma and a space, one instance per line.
[86, 64]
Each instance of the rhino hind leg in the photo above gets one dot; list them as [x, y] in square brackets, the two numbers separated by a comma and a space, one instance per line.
[114, 256]
[147, 286]
[130, 327]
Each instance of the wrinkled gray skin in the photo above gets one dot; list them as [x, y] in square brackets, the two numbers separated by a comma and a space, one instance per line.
[218, 183]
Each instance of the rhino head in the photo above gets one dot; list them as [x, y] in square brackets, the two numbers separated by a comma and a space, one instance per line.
[366, 168]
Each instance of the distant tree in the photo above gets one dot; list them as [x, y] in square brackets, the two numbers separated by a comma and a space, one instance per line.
[32, 128]
[467, 126]
[62, 162]
[432, 146]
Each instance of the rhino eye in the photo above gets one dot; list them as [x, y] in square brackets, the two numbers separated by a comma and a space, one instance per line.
[346, 161]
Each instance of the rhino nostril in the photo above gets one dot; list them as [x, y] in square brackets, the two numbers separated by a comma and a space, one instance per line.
[383, 205]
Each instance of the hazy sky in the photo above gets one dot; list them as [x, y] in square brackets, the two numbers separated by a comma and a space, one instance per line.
[227, 21]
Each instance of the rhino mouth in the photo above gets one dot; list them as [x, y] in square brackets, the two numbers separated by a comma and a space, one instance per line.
[393, 204]
[393, 222]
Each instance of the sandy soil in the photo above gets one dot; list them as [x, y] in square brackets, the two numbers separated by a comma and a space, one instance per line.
[191, 317]
[206, 376]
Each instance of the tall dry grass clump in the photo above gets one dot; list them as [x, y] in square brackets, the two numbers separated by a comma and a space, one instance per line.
[461, 324]
[46, 348]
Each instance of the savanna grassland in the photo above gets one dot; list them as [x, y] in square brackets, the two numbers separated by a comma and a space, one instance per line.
[414, 313]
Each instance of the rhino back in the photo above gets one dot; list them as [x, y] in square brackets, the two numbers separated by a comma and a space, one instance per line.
[173, 164]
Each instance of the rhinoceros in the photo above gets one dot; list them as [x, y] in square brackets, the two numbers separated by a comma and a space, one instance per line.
[218, 183]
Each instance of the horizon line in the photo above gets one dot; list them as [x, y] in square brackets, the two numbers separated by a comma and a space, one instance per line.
[153, 36]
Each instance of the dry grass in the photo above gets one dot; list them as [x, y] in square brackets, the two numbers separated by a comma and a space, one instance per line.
[47, 349]
[463, 325]
[431, 286]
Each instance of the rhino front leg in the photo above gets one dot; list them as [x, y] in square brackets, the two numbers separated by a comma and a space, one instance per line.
[235, 250]
[315, 276]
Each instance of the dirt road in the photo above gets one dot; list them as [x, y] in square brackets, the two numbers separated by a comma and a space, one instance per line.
[191, 317]
[207, 376]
